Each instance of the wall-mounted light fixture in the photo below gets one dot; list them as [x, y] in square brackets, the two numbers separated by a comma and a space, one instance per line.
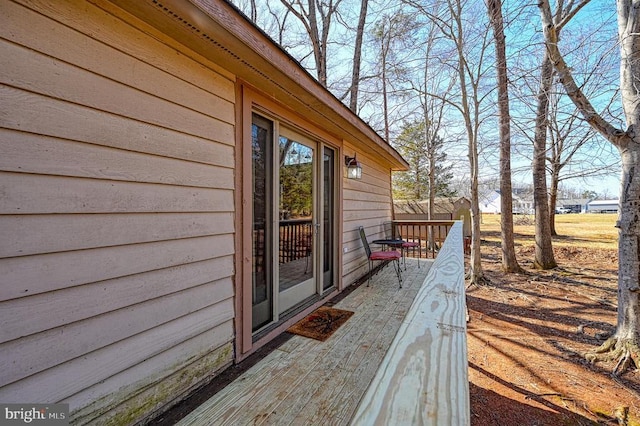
[354, 169]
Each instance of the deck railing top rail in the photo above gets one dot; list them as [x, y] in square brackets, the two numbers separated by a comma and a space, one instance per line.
[423, 378]
[424, 222]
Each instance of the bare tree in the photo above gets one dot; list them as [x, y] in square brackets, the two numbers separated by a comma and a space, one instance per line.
[509, 261]
[423, 81]
[383, 34]
[357, 57]
[316, 18]
[624, 344]
[544, 258]
[575, 150]
[392, 33]
[467, 43]
[469, 71]
[469, 80]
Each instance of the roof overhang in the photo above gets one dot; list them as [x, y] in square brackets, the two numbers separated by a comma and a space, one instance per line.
[216, 30]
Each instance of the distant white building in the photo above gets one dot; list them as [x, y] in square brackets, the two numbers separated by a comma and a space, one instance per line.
[575, 205]
[603, 206]
[491, 203]
[522, 204]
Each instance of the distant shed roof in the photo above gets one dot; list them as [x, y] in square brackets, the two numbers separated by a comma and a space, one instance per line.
[440, 205]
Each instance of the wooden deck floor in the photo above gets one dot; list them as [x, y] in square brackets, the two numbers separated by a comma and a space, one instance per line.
[309, 382]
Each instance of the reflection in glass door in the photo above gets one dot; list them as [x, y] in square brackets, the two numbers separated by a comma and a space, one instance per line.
[297, 227]
[262, 236]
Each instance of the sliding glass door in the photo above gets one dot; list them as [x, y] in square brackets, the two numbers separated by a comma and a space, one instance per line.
[293, 220]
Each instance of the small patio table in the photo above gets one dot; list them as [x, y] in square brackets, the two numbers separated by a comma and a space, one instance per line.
[396, 243]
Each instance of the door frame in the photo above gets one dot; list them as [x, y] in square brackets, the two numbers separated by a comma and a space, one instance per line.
[252, 101]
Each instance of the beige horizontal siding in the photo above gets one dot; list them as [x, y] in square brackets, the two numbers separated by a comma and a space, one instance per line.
[46, 116]
[46, 311]
[127, 48]
[30, 153]
[366, 203]
[30, 234]
[157, 378]
[21, 358]
[80, 373]
[28, 275]
[22, 68]
[41, 194]
[117, 210]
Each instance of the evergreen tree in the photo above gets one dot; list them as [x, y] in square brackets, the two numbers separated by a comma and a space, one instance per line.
[424, 152]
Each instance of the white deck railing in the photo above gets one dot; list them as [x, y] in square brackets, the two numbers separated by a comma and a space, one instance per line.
[423, 378]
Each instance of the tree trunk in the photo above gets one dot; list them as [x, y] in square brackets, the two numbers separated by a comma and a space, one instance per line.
[629, 242]
[385, 101]
[432, 180]
[509, 261]
[553, 199]
[318, 49]
[254, 11]
[624, 345]
[357, 56]
[544, 258]
[476, 274]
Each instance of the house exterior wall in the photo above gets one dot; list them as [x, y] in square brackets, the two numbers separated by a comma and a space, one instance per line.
[116, 214]
[367, 203]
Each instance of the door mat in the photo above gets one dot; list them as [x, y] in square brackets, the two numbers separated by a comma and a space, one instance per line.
[321, 323]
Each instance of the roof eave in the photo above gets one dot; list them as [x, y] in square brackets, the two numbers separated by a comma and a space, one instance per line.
[216, 30]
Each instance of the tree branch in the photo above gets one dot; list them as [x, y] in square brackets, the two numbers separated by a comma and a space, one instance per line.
[612, 134]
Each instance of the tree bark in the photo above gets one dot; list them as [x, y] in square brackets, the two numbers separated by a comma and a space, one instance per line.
[544, 258]
[357, 57]
[385, 100]
[318, 48]
[509, 261]
[553, 200]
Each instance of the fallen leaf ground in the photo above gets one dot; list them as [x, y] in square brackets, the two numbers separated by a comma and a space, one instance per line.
[528, 333]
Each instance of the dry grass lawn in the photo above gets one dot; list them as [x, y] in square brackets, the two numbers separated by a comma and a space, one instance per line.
[574, 230]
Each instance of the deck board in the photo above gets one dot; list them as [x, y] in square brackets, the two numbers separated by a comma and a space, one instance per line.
[305, 381]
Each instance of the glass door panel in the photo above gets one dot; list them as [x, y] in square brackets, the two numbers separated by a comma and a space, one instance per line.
[297, 225]
[262, 238]
[328, 231]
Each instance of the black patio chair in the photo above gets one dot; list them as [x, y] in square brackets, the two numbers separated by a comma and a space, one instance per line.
[392, 256]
